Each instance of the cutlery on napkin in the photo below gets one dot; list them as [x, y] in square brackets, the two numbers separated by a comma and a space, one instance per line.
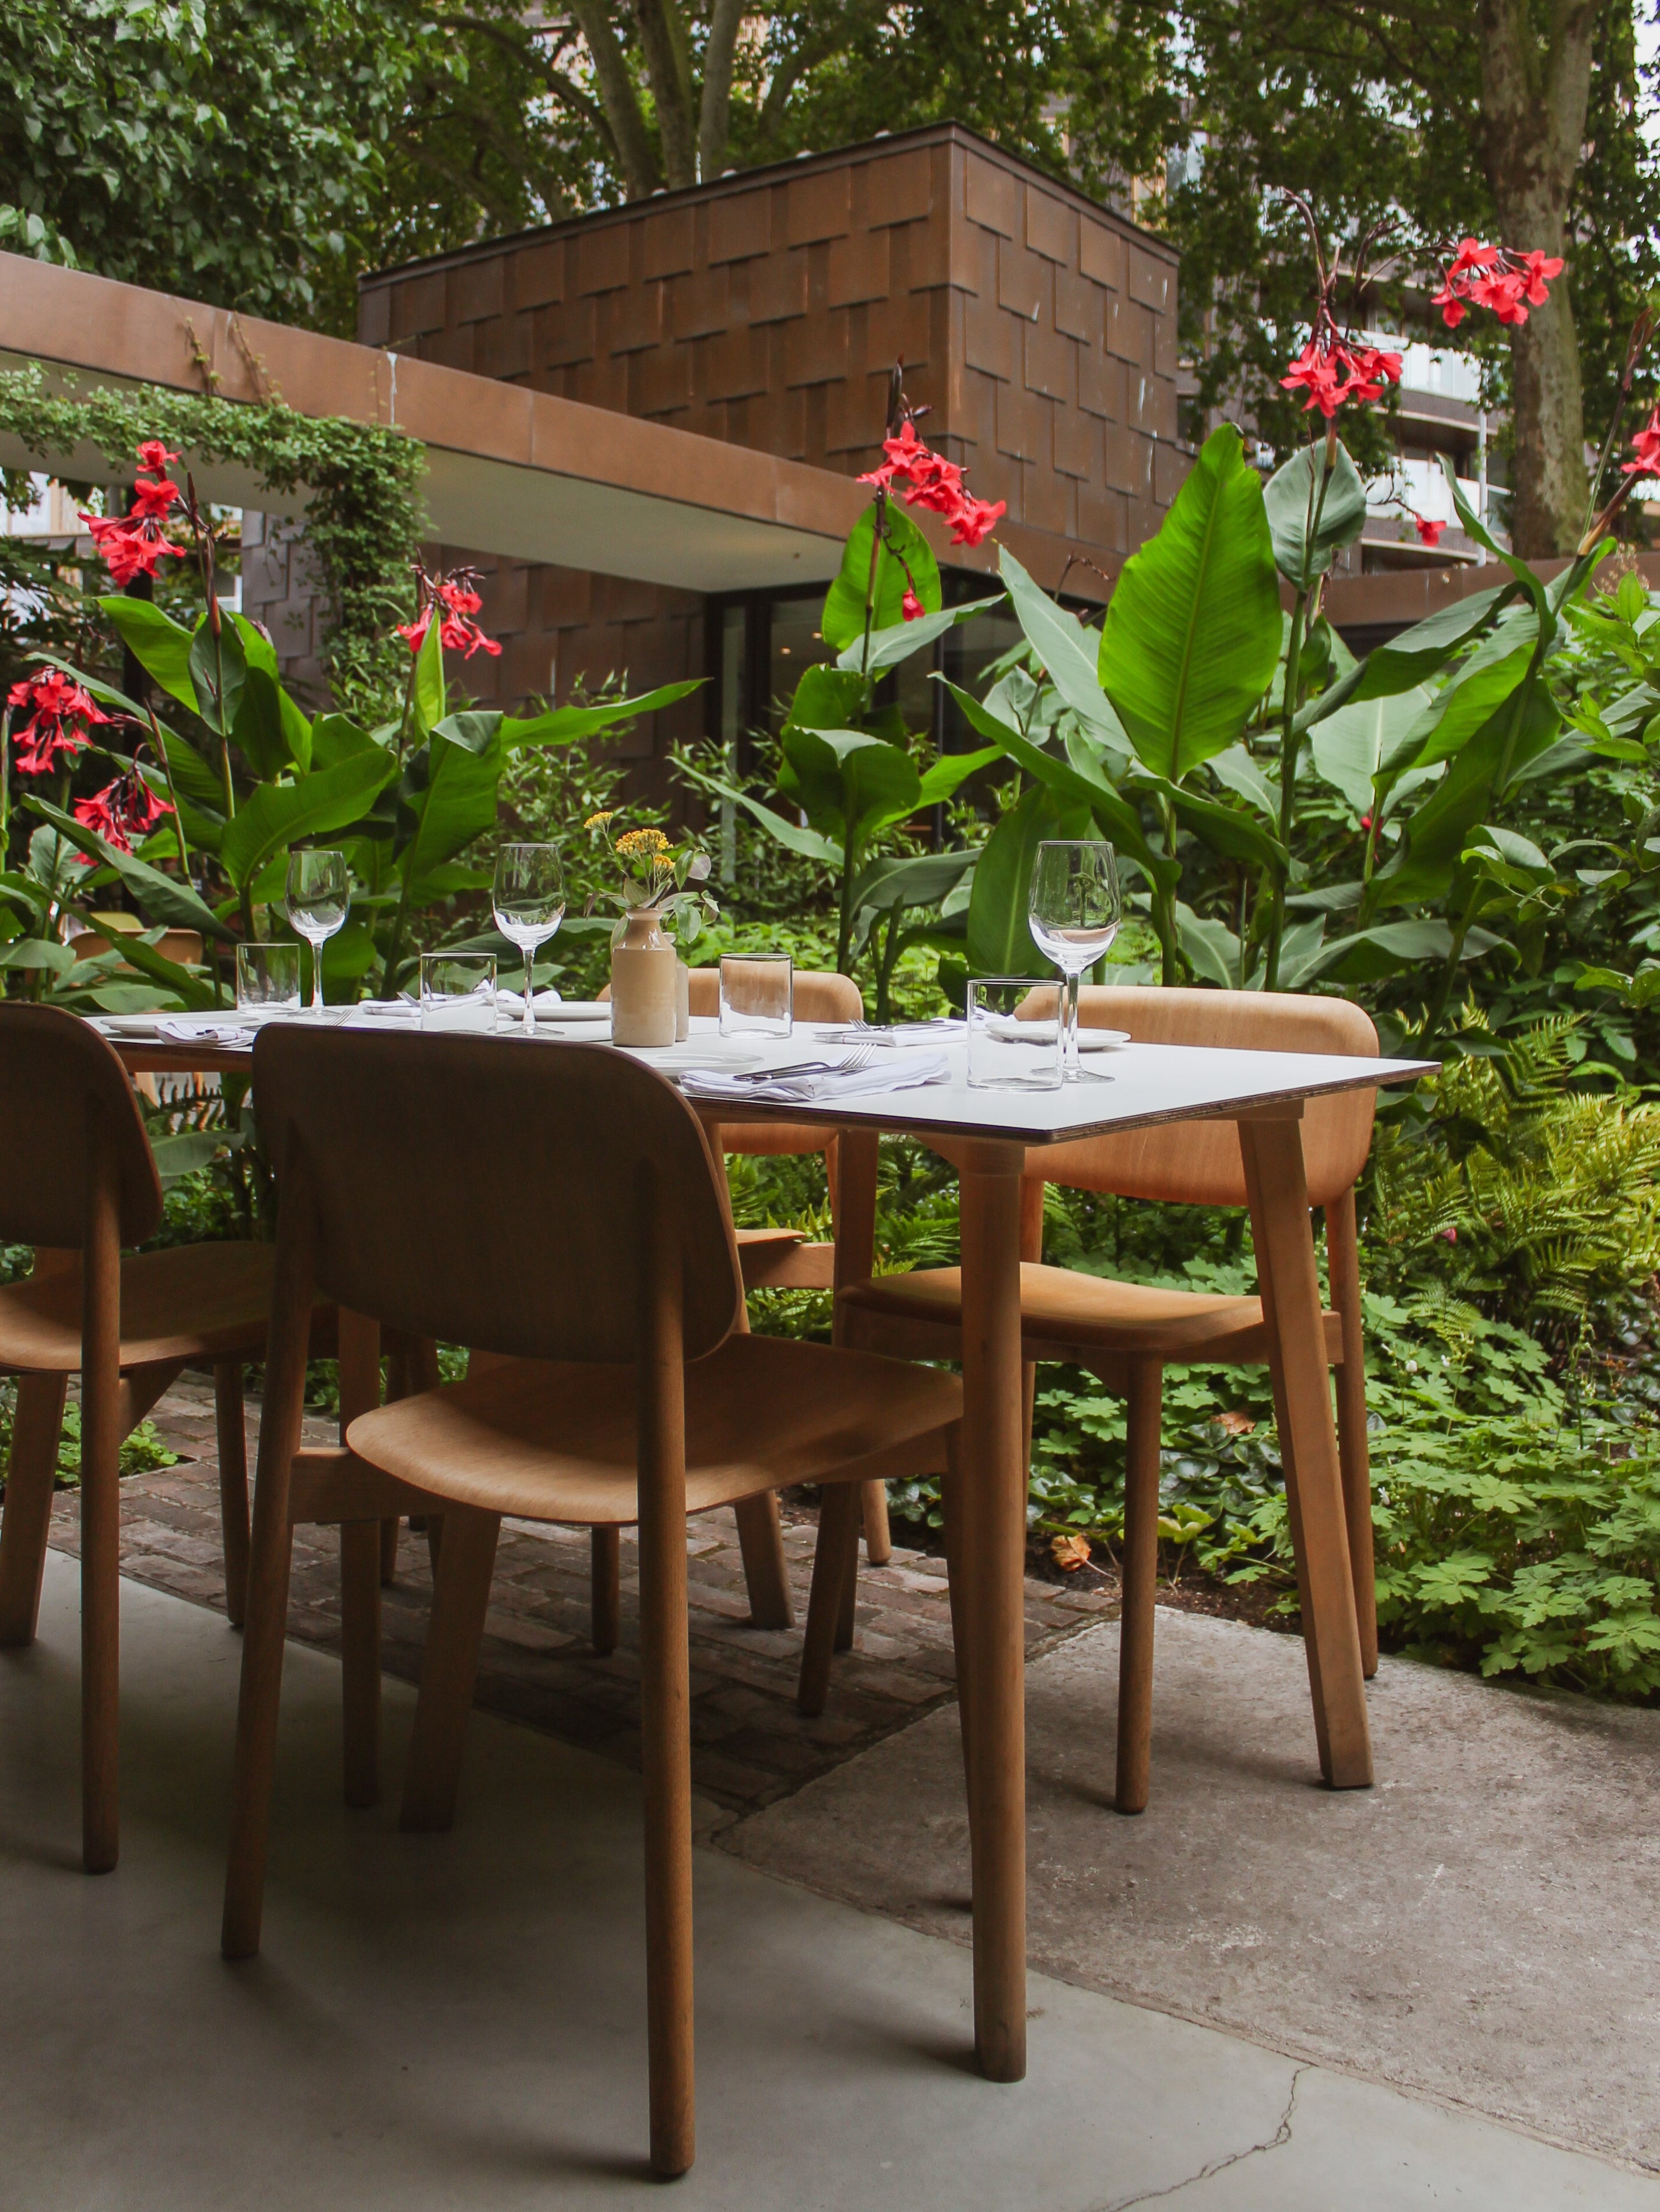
[784, 1087]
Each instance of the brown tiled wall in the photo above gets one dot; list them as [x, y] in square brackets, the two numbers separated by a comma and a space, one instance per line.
[767, 310]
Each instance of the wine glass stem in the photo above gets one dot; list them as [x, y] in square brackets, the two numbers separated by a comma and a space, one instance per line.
[530, 1017]
[1070, 1072]
[317, 945]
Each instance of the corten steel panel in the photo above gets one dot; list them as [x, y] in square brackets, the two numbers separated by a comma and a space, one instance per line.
[602, 259]
[1051, 226]
[374, 316]
[1168, 472]
[1100, 383]
[1127, 335]
[816, 348]
[538, 274]
[700, 303]
[992, 196]
[734, 364]
[418, 306]
[630, 321]
[1078, 306]
[565, 332]
[1048, 501]
[451, 348]
[858, 270]
[1051, 364]
[660, 382]
[1023, 427]
[740, 226]
[818, 207]
[476, 290]
[1102, 519]
[1025, 284]
[502, 348]
[1077, 444]
[668, 241]
[1150, 280]
[777, 285]
[901, 188]
[898, 330]
[1101, 254]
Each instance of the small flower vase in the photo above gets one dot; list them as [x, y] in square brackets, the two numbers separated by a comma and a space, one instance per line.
[644, 984]
[682, 1001]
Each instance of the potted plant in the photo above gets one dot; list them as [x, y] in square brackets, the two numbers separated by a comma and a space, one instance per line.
[662, 906]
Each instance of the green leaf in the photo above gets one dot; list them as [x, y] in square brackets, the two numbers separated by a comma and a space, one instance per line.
[952, 770]
[336, 737]
[923, 880]
[278, 815]
[999, 939]
[827, 699]
[888, 647]
[193, 991]
[1289, 497]
[260, 734]
[212, 663]
[1225, 830]
[429, 695]
[1474, 527]
[1455, 713]
[161, 646]
[1236, 771]
[565, 726]
[1412, 657]
[161, 899]
[1521, 727]
[1074, 785]
[475, 731]
[453, 792]
[1350, 747]
[904, 548]
[1067, 651]
[1192, 634]
[849, 784]
[38, 952]
[1365, 956]
[1209, 947]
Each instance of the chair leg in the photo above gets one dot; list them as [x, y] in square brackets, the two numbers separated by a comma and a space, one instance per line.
[449, 1670]
[100, 1519]
[391, 1529]
[360, 1658]
[233, 1485]
[879, 1540]
[37, 1425]
[761, 1538]
[834, 1571]
[951, 1501]
[606, 1578]
[1140, 1579]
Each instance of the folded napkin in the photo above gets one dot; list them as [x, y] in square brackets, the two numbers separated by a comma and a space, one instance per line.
[182, 1028]
[901, 1071]
[385, 1013]
[544, 1004]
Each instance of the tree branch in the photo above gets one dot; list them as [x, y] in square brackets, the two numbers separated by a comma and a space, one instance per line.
[638, 160]
[668, 70]
[715, 116]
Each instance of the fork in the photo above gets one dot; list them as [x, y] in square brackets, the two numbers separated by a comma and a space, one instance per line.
[853, 1064]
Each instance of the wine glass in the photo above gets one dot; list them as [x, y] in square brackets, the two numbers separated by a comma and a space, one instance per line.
[1074, 913]
[529, 899]
[320, 893]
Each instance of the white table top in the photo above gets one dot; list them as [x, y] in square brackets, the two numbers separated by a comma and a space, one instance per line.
[1149, 1083]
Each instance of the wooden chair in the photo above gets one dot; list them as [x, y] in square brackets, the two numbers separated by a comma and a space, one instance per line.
[779, 1258]
[563, 1212]
[1128, 1334]
[78, 1181]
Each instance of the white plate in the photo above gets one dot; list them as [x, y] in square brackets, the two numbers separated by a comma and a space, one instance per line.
[574, 1009]
[1097, 1040]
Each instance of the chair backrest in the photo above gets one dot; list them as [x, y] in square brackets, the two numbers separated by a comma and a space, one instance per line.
[491, 1193]
[1198, 1163]
[63, 1089]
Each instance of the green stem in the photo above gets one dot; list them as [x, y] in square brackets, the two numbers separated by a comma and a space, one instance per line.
[1164, 908]
[178, 818]
[394, 942]
[844, 913]
[1438, 1005]
[1289, 744]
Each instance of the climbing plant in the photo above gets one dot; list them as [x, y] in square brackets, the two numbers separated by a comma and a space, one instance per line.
[362, 506]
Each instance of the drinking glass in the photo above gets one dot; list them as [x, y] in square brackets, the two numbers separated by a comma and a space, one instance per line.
[268, 975]
[1014, 1033]
[1074, 913]
[529, 899]
[320, 893]
[757, 993]
[457, 993]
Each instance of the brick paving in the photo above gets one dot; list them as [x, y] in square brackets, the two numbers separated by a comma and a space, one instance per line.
[750, 1745]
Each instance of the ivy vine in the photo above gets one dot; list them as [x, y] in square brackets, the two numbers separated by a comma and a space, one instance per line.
[362, 512]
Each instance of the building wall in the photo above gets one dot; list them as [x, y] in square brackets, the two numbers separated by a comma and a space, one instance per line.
[1038, 330]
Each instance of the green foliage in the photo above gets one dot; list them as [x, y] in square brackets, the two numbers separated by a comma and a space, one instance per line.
[141, 1451]
[361, 485]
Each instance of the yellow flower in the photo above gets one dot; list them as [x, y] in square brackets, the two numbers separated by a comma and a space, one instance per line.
[598, 821]
[642, 845]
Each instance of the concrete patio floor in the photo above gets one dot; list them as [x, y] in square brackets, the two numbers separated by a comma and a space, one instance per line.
[460, 2020]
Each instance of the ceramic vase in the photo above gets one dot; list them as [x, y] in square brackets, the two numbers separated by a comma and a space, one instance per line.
[644, 984]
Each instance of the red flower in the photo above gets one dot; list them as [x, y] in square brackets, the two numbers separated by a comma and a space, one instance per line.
[1495, 276]
[1429, 532]
[1331, 372]
[1538, 266]
[1646, 446]
[58, 724]
[131, 544]
[910, 606]
[456, 632]
[930, 480]
[1451, 1235]
[122, 810]
[154, 456]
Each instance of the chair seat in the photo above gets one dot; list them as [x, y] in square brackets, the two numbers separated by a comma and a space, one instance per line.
[190, 1302]
[549, 1442]
[1064, 1311]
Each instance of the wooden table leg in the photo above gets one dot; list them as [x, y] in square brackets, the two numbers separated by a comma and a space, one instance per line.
[26, 1521]
[991, 1487]
[359, 1578]
[1271, 1146]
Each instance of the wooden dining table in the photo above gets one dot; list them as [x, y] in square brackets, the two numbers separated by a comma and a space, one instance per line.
[988, 1134]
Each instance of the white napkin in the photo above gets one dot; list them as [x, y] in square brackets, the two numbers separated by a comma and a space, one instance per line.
[385, 1013]
[546, 1003]
[184, 1029]
[904, 1070]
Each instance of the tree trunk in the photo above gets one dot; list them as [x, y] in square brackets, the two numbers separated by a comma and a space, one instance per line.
[1534, 93]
